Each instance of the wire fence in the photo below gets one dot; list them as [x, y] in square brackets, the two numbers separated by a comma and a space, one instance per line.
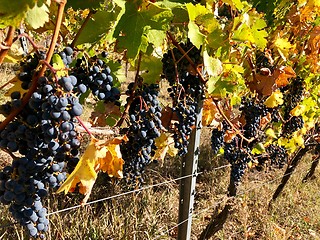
[192, 215]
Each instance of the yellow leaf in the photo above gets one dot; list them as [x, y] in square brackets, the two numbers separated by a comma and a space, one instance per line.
[164, 144]
[270, 133]
[298, 110]
[84, 173]
[99, 155]
[274, 100]
[298, 139]
[284, 47]
[210, 113]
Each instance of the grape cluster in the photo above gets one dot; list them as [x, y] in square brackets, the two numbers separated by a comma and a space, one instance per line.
[252, 113]
[67, 56]
[28, 67]
[145, 126]
[27, 70]
[293, 124]
[186, 90]
[238, 157]
[293, 94]
[98, 78]
[45, 137]
[277, 154]
[217, 140]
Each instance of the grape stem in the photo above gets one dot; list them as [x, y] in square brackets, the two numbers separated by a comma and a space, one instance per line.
[7, 43]
[76, 37]
[36, 76]
[230, 123]
[84, 126]
[131, 97]
[175, 43]
[50, 68]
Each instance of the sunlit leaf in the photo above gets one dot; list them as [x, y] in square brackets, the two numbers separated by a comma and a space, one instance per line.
[165, 145]
[37, 16]
[298, 110]
[100, 155]
[274, 100]
[284, 47]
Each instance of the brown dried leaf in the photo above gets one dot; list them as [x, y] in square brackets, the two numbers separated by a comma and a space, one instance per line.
[210, 114]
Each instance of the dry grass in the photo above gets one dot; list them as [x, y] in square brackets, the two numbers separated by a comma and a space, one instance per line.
[153, 213]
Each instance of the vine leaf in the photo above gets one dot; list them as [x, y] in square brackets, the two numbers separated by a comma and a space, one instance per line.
[99, 155]
[266, 85]
[284, 47]
[135, 24]
[274, 100]
[164, 144]
[258, 149]
[58, 65]
[298, 110]
[236, 4]
[154, 69]
[13, 12]
[105, 114]
[37, 16]
[210, 114]
[99, 26]
[212, 65]
[250, 27]
[194, 34]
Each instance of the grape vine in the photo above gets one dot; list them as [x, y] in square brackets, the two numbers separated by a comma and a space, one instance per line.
[253, 71]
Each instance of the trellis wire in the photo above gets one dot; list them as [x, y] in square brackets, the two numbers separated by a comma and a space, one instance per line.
[159, 184]
[119, 195]
[216, 204]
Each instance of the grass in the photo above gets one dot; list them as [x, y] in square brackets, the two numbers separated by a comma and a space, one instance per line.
[152, 213]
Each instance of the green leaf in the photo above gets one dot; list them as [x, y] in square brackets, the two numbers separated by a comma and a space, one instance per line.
[98, 26]
[236, 4]
[153, 68]
[58, 65]
[258, 149]
[13, 12]
[133, 28]
[83, 4]
[249, 28]
[208, 22]
[217, 39]
[37, 16]
[196, 10]
[112, 120]
[84, 96]
[156, 37]
[117, 72]
[195, 36]
[212, 65]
